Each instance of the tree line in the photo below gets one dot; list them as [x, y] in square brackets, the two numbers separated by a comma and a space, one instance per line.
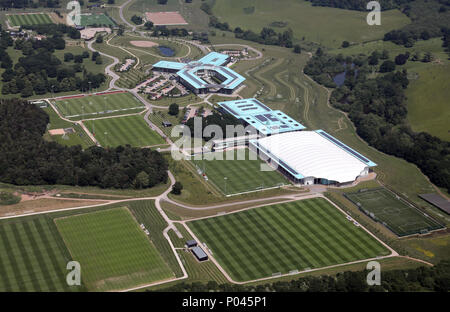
[8, 4]
[436, 278]
[378, 109]
[27, 159]
[39, 71]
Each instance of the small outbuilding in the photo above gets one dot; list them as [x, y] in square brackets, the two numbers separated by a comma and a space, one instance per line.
[199, 253]
[191, 243]
[167, 124]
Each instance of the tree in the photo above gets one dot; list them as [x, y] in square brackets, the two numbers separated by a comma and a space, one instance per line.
[384, 55]
[428, 57]
[401, 59]
[137, 19]
[148, 25]
[297, 49]
[387, 66]
[85, 54]
[345, 44]
[141, 180]
[162, 2]
[176, 188]
[174, 109]
[99, 39]
[99, 60]
[68, 57]
[95, 55]
[78, 59]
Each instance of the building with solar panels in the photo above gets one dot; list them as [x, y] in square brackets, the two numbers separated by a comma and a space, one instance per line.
[313, 157]
[207, 75]
[264, 120]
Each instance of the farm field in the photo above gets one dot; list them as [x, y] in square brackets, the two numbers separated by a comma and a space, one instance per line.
[241, 175]
[98, 105]
[132, 130]
[281, 238]
[112, 249]
[96, 19]
[33, 256]
[393, 212]
[301, 17]
[29, 19]
[428, 101]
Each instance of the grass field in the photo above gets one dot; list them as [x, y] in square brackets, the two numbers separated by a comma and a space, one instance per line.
[96, 19]
[29, 19]
[241, 175]
[113, 251]
[307, 21]
[146, 213]
[79, 137]
[132, 130]
[32, 256]
[98, 105]
[428, 99]
[280, 238]
[396, 214]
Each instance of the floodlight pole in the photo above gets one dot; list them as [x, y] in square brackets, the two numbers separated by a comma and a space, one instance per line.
[225, 178]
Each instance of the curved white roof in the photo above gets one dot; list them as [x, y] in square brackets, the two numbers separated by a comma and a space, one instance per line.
[315, 154]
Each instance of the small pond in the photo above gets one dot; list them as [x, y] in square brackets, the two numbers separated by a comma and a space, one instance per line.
[339, 79]
[166, 51]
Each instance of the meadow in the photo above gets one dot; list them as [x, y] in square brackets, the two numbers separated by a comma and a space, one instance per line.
[234, 175]
[113, 251]
[427, 99]
[98, 105]
[132, 130]
[282, 238]
[327, 26]
[393, 212]
[29, 19]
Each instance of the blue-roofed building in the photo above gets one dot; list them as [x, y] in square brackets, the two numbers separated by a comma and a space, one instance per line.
[216, 59]
[264, 120]
[206, 75]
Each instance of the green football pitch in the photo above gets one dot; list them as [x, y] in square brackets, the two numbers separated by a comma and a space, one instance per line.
[392, 211]
[92, 106]
[132, 130]
[113, 251]
[33, 256]
[283, 238]
[29, 19]
[234, 176]
[95, 19]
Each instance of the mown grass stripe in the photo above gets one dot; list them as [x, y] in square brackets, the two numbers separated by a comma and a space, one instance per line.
[344, 251]
[260, 241]
[314, 234]
[357, 240]
[38, 254]
[281, 218]
[4, 278]
[283, 248]
[57, 267]
[26, 259]
[243, 255]
[202, 229]
[12, 260]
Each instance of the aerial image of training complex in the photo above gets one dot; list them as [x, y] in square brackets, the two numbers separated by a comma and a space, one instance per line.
[237, 146]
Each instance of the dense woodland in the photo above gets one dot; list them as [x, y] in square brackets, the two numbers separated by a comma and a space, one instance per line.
[215, 119]
[27, 159]
[378, 109]
[436, 278]
[39, 71]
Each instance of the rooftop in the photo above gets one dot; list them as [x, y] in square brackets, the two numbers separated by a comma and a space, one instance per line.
[314, 154]
[210, 62]
[261, 117]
